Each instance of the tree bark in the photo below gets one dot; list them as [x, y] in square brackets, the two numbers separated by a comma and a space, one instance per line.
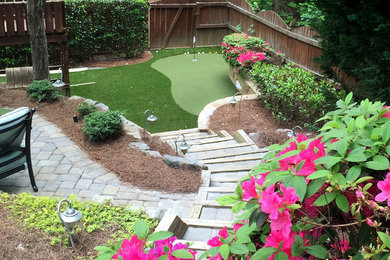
[38, 40]
[275, 6]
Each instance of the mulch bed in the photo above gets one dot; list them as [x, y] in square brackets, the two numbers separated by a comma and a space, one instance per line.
[131, 165]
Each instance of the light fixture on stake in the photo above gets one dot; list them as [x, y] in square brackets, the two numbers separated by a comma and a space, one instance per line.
[151, 119]
[69, 218]
[234, 101]
[293, 133]
[184, 146]
[59, 83]
[193, 47]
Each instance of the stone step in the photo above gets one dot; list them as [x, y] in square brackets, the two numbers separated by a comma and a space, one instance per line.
[177, 132]
[230, 146]
[217, 189]
[223, 184]
[222, 144]
[231, 154]
[236, 158]
[200, 136]
[203, 142]
[228, 176]
[233, 166]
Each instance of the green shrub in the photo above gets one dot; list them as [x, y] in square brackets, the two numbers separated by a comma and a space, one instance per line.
[14, 56]
[85, 108]
[294, 93]
[100, 126]
[40, 213]
[119, 27]
[42, 90]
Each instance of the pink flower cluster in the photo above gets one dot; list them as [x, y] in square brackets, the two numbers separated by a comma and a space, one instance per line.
[315, 150]
[250, 57]
[387, 112]
[134, 249]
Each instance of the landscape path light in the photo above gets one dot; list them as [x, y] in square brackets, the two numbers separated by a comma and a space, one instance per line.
[183, 147]
[293, 132]
[234, 102]
[151, 119]
[59, 83]
[193, 47]
[69, 218]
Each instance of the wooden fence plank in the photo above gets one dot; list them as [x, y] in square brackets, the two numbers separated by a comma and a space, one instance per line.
[9, 19]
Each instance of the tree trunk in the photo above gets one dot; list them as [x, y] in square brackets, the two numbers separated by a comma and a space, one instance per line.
[275, 6]
[38, 41]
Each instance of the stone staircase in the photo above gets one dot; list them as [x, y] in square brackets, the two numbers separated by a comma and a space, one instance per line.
[228, 158]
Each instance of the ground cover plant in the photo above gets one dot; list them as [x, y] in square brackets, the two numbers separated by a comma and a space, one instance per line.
[136, 88]
[39, 214]
[324, 197]
[100, 126]
[42, 90]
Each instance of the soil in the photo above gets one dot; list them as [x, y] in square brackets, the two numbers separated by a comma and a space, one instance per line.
[254, 118]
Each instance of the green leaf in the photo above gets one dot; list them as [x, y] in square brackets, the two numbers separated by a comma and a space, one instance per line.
[227, 200]
[238, 249]
[318, 174]
[264, 253]
[251, 247]
[212, 251]
[160, 235]
[314, 186]
[297, 247]
[360, 122]
[238, 207]
[239, 191]
[342, 203]
[163, 257]
[102, 249]
[341, 147]
[298, 183]
[386, 132]
[141, 229]
[105, 256]
[353, 173]
[328, 160]
[356, 155]
[281, 256]
[317, 251]
[379, 162]
[224, 251]
[182, 253]
[325, 199]
[388, 149]
[385, 238]
[348, 98]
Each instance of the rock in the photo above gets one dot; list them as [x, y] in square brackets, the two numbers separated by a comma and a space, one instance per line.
[139, 145]
[90, 101]
[154, 154]
[254, 136]
[75, 98]
[102, 107]
[179, 162]
[20, 247]
[154, 213]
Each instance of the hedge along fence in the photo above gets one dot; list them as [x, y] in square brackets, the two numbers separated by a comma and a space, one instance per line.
[93, 26]
[119, 27]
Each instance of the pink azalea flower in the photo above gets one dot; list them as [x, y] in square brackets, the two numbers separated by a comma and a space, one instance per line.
[274, 239]
[223, 233]
[384, 186]
[236, 70]
[359, 193]
[224, 44]
[132, 250]
[249, 187]
[278, 52]
[387, 112]
[266, 43]
[342, 245]
[270, 202]
[369, 222]
[215, 241]
[282, 223]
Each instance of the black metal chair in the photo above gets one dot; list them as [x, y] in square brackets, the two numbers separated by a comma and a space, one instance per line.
[14, 155]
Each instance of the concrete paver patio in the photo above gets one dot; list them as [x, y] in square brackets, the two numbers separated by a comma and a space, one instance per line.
[61, 168]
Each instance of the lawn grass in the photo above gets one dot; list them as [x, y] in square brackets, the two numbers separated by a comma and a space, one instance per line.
[196, 83]
[4, 110]
[136, 88]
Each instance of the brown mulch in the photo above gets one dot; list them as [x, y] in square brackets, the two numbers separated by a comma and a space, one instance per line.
[254, 118]
[131, 165]
[35, 245]
[147, 55]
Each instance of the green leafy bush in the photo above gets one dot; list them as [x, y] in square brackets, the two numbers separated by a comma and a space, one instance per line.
[40, 213]
[100, 126]
[14, 56]
[42, 90]
[85, 108]
[119, 27]
[294, 93]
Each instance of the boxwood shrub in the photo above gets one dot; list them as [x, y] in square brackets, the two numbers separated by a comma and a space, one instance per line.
[42, 90]
[294, 94]
[100, 126]
[85, 108]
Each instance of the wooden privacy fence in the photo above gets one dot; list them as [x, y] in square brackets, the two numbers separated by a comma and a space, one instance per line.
[14, 28]
[173, 23]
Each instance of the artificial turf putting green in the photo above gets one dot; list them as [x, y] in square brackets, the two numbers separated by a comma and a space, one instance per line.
[194, 84]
